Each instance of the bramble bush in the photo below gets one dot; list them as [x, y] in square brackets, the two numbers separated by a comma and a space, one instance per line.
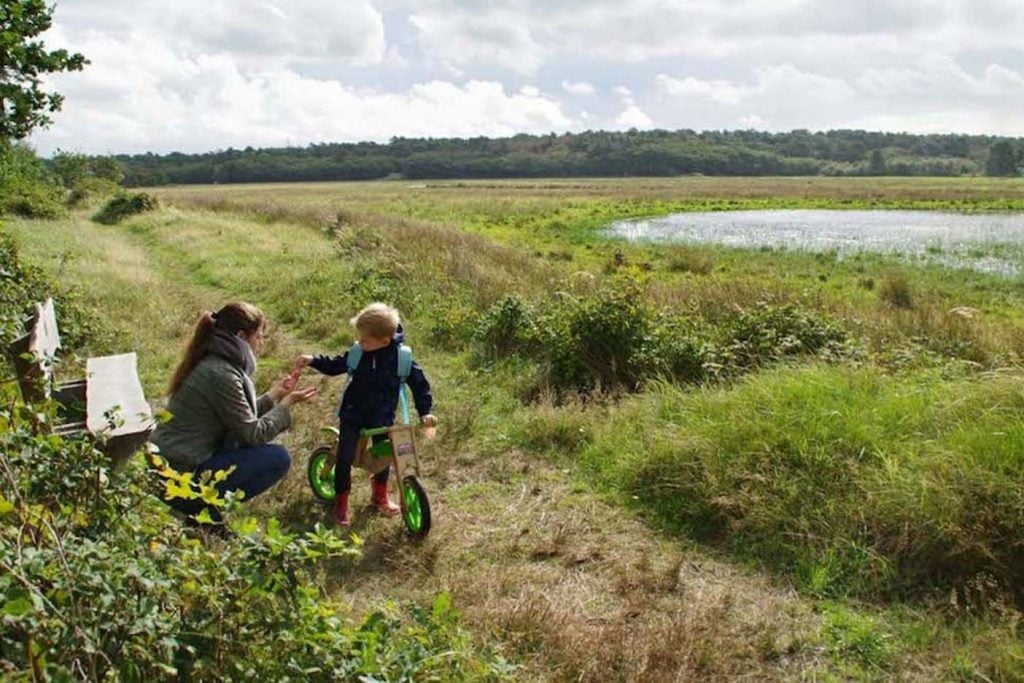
[614, 340]
[770, 333]
[125, 205]
[22, 285]
[98, 581]
[508, 328]
[26, 187]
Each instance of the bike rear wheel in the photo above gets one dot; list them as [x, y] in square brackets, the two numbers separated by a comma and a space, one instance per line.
[321, 477]
[415, 507]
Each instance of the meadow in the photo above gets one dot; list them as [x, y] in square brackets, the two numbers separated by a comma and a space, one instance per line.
[656, 462]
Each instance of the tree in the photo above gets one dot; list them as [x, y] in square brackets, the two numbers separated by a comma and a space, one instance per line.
[23, 61]
[1002, 159]
[108, 168]
[70, 167]
[876, 163]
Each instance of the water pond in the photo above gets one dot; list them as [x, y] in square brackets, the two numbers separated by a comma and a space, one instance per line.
[985, 242]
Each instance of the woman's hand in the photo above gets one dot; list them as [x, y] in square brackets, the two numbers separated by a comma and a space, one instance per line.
[299, 396]
[285, 385]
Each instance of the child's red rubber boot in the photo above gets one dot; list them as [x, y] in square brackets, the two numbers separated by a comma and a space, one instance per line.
[379, 498]
[339, 511]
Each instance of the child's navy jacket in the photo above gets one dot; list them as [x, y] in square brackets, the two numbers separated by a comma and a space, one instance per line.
[371, 397]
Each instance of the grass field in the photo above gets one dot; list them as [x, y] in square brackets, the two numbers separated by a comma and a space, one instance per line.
[798, 467]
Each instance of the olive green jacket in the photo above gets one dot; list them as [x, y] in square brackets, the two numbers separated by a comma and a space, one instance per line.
[216, 409]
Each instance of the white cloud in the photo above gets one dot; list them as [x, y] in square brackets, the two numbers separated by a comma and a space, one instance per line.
[580, 88]
[255, 32]
[220, 105]
[498, 37]
[633, 117]
[753, 121]
[719, 91]
[197, 75]
[938, 76]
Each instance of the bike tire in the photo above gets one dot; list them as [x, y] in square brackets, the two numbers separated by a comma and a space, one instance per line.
[321, 478]
[415, 507]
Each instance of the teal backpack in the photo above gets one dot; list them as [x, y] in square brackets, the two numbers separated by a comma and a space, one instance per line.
[355, 354]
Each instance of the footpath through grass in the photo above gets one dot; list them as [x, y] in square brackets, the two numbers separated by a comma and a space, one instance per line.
[883, 474]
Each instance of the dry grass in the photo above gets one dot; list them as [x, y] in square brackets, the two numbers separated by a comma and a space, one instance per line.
[574, 589]
[362, 195]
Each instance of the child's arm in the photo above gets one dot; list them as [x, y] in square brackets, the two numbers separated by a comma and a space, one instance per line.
[327, 365]
[421, 395]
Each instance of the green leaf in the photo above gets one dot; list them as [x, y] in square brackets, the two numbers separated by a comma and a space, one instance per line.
[18, 606]
[6, 506]
[204, 517]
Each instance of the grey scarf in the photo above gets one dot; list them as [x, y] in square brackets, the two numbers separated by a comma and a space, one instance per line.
[233, 349]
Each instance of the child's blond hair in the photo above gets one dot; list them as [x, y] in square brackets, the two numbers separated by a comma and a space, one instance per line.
[377, 320]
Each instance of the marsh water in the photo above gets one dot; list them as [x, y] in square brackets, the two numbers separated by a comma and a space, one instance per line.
[984, 242]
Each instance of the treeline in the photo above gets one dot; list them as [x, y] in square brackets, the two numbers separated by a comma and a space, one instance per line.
[592, 153]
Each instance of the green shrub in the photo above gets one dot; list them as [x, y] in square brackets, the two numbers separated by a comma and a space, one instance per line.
[26, 188]
[770, 333]
[681, 354]
[453, 324]
[613, 340]
[90, 189]
[508, 328]
[602, 342]
[22, 285]
[30, 198]
[124, 205]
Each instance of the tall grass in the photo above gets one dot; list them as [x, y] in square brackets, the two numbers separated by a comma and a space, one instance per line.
[851, 480]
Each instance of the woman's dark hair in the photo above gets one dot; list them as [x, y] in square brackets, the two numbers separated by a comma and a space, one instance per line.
[235, 317]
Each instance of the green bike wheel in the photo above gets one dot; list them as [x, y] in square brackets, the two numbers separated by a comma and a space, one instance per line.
[321, 477]
[415, 507]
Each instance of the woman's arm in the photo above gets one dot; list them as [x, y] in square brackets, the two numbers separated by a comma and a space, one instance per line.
[226, 393]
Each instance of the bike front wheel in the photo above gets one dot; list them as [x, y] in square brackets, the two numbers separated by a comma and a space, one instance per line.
[415, 507]
[321, 475]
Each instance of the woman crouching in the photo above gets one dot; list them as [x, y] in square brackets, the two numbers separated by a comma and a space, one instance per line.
[217, 420]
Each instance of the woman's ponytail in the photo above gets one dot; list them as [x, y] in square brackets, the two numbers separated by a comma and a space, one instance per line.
[195, 350]
[235, 317]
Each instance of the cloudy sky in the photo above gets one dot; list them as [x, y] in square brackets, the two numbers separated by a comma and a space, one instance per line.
[199, 75]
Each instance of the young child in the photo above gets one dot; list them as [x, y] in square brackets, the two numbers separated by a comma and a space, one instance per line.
[370, 399]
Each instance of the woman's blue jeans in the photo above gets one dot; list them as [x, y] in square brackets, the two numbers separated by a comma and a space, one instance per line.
[257, 468]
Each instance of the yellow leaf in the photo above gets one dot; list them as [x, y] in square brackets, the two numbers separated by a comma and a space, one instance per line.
[174, 490]
[211, 496]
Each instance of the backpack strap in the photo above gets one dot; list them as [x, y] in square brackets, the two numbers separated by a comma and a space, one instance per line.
[355, 354]
[404, 368]
[404, 362]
